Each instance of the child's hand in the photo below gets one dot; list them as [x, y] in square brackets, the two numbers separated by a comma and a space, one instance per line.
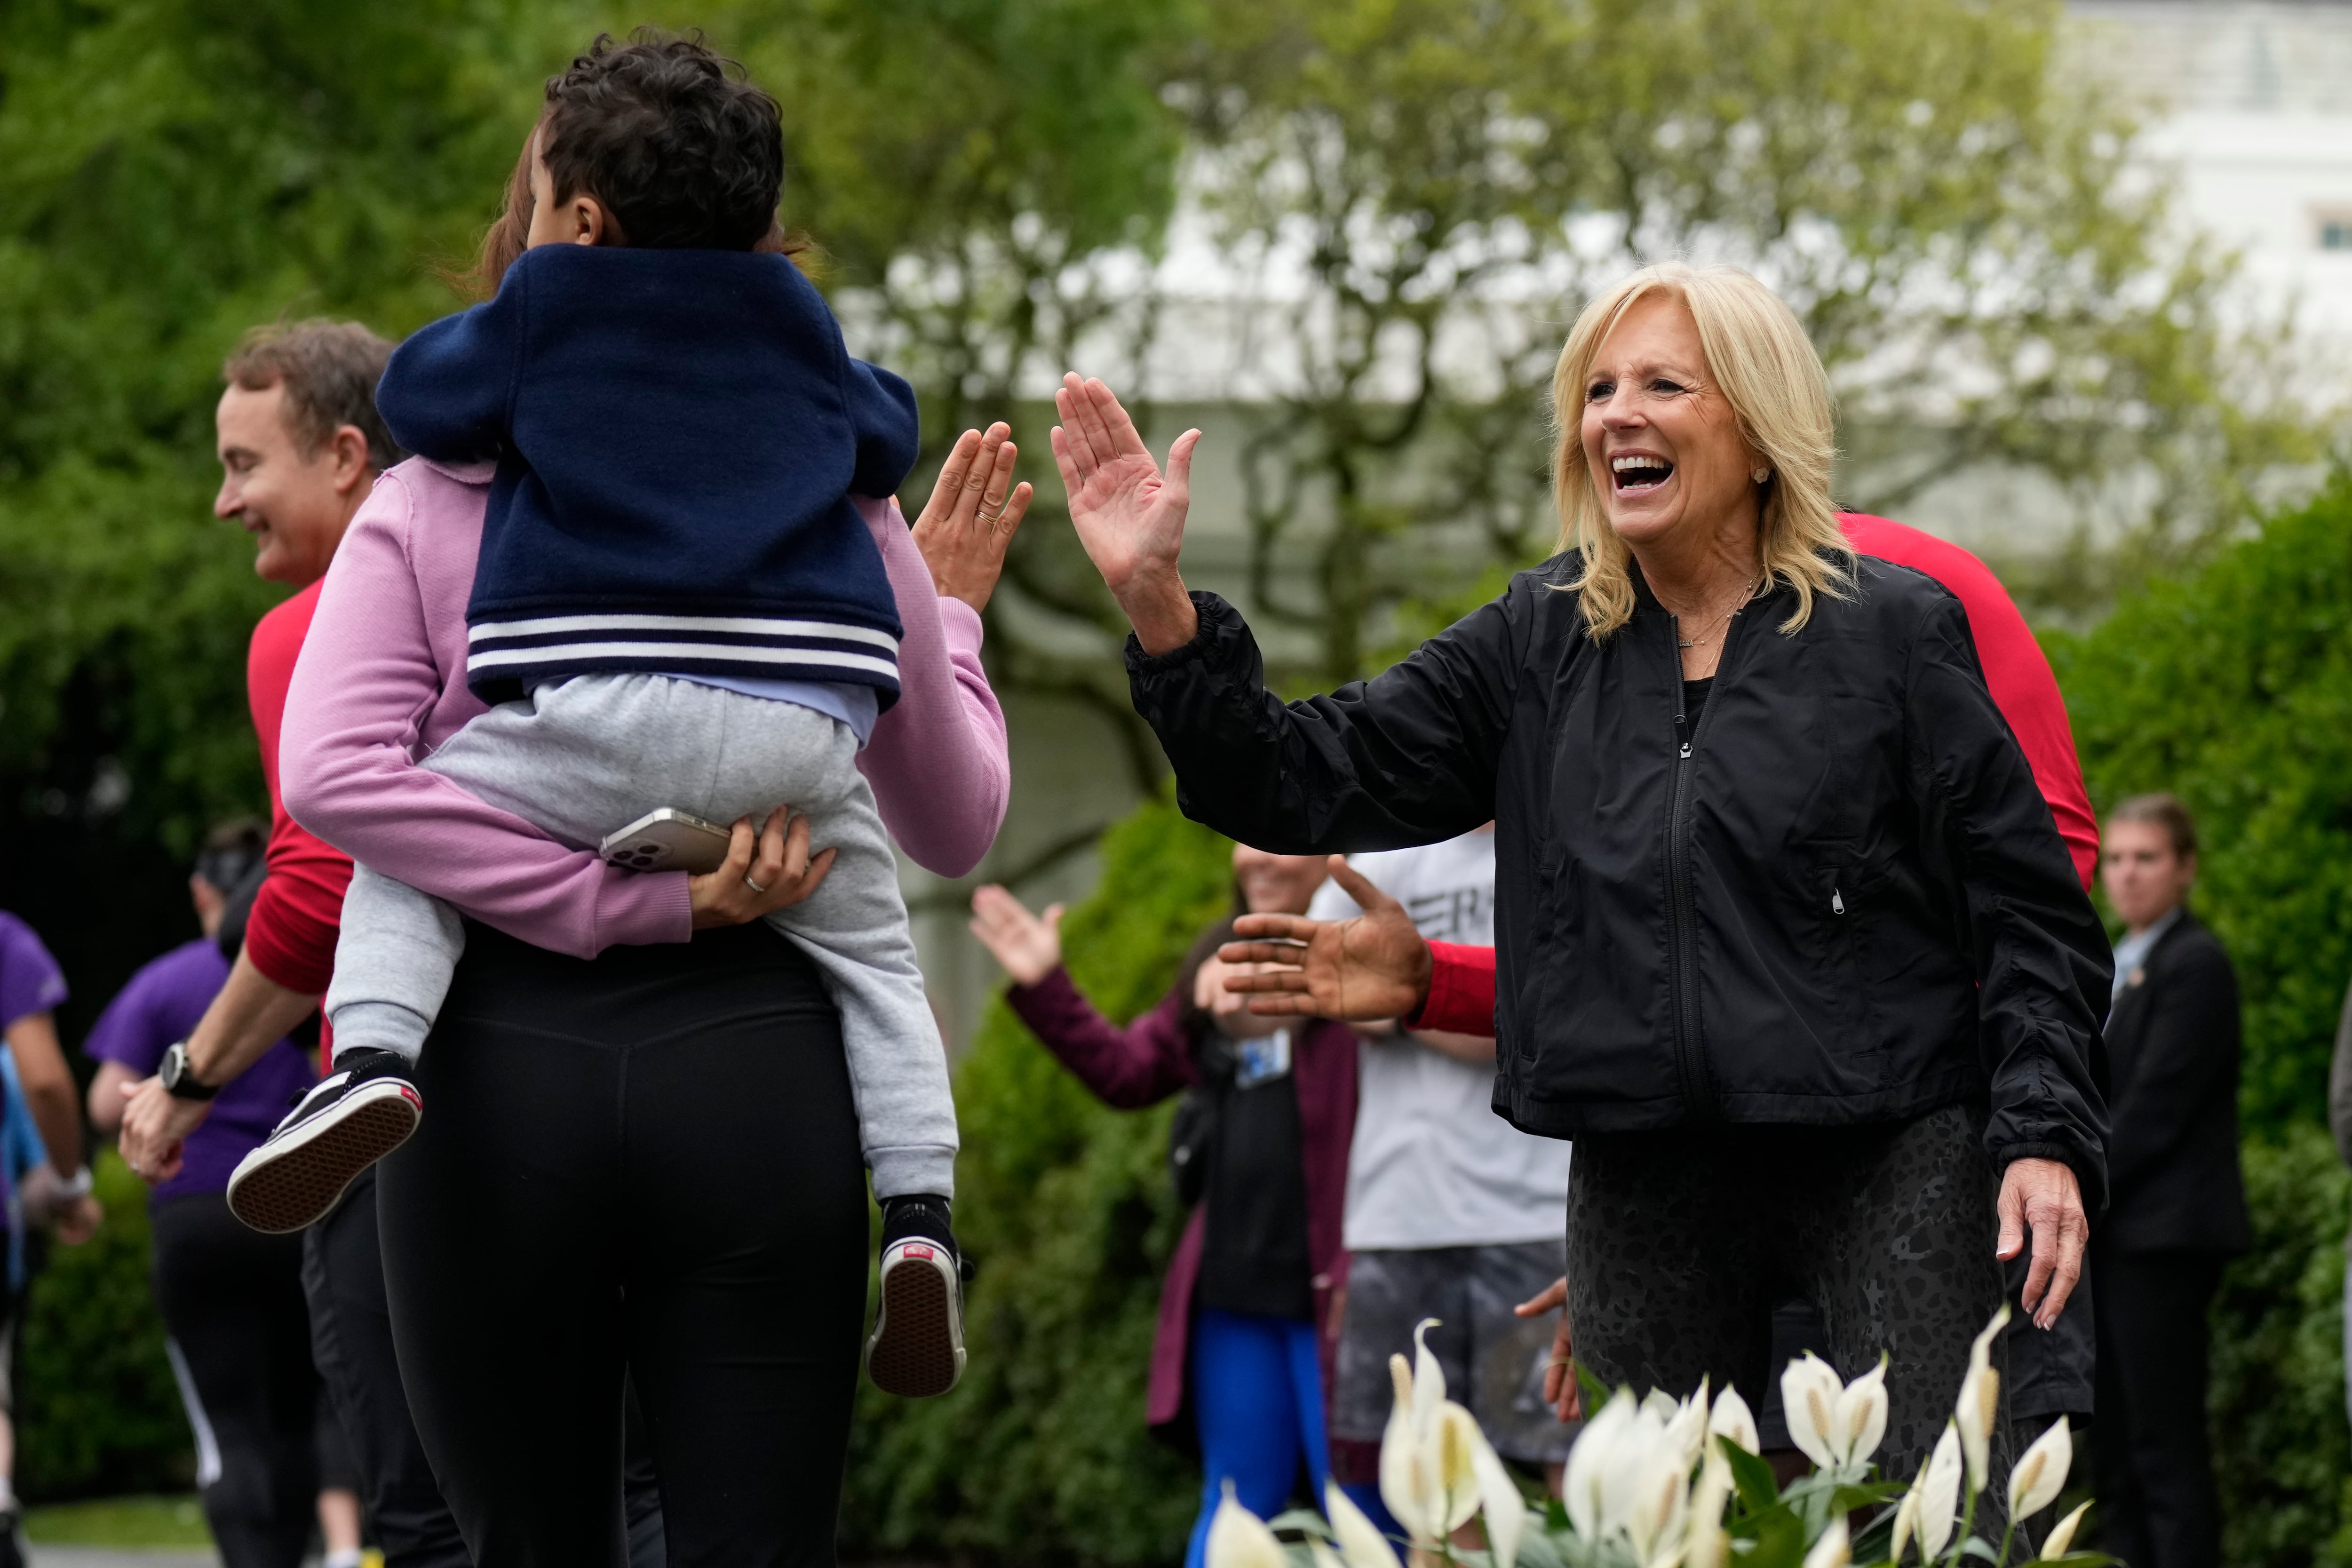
[765, 871]
[968, 523]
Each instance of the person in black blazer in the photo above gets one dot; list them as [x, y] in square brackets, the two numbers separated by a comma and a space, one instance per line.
[2177, 1205]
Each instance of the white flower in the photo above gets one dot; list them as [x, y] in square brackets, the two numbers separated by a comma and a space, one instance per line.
[1906, 1521]
[2040, 1474]
[1686, 1427]
[1645, 1486]
[1834, 1423]
[2062, 1534]
[1588, 1463]
[1361, 1544]
[1238, 1539]
[1706, 1544]
[1730, 1418]
[1504, 1511]
[1980, 1402]
[1428, 1454]
[1939, 1494]
[1833, 1549]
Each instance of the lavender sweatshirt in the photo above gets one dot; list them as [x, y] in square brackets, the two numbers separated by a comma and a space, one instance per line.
[382, 683]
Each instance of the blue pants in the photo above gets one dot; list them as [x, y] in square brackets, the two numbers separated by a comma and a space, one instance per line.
[1258, 1401]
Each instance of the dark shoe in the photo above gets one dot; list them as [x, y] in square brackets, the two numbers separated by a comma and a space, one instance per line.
[359, 1113]
[917, 1350]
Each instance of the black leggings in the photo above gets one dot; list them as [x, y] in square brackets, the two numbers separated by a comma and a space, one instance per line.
[644, 1166]
[1680, 1244]
[232, 1302]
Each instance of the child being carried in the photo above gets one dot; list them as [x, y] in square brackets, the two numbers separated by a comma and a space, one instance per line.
[677, 605]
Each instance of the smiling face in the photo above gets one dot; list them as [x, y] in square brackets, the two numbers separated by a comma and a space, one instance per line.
[1667, 461]
[292, 505]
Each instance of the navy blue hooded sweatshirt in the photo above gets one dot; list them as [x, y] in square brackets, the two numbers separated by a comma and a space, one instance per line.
[677, 436]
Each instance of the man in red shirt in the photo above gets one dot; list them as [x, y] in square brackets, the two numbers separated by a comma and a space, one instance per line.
[300, 445]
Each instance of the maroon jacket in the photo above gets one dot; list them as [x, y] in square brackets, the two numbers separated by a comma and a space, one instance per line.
[1151, 1059]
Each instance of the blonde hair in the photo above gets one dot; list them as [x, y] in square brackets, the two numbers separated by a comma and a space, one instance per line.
[1769, 373]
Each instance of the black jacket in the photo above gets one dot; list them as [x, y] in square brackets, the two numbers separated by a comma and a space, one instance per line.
[2173, 1147]
[1842, 900]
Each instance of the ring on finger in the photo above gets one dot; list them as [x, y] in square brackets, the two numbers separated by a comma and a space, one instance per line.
[752, 885]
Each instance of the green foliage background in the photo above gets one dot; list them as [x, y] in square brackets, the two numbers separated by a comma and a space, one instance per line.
[2232, 687]
[96, 1411]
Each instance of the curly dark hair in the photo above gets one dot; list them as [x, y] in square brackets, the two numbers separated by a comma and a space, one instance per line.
[682, 150]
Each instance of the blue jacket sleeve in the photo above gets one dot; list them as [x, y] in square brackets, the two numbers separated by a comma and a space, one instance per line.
[448, 392]
[882, 410]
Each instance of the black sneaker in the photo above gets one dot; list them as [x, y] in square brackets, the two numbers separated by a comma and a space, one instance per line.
[359, 1113]
[917, 1349]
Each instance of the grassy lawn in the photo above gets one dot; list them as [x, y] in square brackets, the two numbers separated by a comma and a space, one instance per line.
[120, 1521]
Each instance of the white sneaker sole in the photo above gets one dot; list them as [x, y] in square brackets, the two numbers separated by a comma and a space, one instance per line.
[917, 1351]
[289, 1183]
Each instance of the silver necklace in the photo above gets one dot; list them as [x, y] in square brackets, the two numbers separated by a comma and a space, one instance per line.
[1736, 606]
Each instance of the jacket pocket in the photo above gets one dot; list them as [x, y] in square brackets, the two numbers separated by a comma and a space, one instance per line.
[1835, 901]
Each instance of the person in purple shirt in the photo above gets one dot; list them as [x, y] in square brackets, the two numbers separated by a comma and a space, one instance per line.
[32, 987]
[231, 1299]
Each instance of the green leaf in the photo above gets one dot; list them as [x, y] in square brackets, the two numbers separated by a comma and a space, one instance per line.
[1759, 1488]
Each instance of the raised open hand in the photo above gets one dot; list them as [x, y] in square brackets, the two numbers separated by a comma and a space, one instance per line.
[1029, 946]
[968, 523]
[1375, 965]
[1129, 514]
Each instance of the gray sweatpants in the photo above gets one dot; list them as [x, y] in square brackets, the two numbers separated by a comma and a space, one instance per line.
[587, 756]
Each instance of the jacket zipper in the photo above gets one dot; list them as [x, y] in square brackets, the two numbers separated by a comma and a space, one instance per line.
[1681, 903]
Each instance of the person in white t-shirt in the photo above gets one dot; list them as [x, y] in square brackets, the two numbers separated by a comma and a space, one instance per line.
[1453, 1212]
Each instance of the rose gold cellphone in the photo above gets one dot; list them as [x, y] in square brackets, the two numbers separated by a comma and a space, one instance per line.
[667, 840]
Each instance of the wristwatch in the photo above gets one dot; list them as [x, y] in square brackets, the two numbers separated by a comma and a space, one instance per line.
[79, 1186]
[180, 1078]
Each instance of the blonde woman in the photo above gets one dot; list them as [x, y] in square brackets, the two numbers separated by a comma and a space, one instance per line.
[1789, 944]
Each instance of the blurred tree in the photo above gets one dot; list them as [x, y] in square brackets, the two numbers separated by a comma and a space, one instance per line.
[1955, 220]
[170, 172]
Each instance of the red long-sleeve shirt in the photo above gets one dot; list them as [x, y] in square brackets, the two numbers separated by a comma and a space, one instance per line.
[290, 935]
[1462, 979]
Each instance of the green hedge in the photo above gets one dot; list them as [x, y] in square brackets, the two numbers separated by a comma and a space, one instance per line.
[2232, 687]
[96, 1412]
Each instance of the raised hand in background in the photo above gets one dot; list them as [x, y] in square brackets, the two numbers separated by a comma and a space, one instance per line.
[1029, 947]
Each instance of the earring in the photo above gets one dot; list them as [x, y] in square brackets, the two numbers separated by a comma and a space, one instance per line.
[1760, 475]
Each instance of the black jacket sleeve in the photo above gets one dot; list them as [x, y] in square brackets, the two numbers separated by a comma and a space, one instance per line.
[2188, 1058]
[2043, 964]
[1408, 757]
